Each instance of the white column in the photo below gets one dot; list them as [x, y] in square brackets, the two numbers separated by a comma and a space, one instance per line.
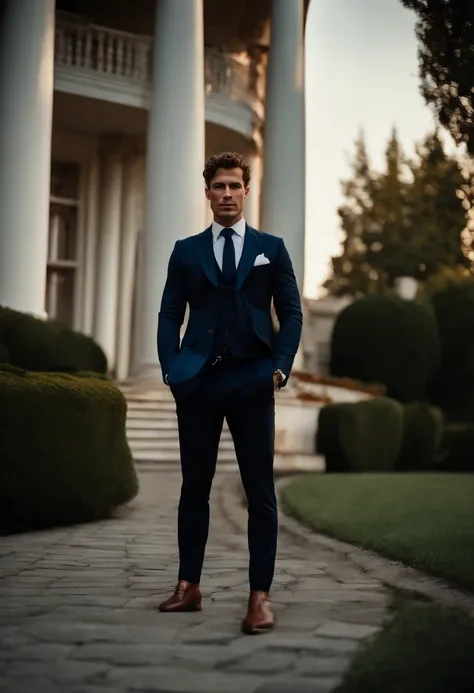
[252, 205]
[175, 156]
[105, 318]
[128, 257]
[26, 105]
[90, 252]
[283, 200]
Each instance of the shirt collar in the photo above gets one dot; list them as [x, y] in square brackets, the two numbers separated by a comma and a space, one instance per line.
[238, 227]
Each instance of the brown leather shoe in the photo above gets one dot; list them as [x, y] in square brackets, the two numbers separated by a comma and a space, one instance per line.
[186, 597]
[259, 616]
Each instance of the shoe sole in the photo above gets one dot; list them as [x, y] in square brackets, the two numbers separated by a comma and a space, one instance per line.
[257, 631]
[195, 607]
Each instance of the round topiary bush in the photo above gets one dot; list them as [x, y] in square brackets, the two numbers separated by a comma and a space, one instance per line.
[46, 345]
[387, 340]
[64, 455]
[361, 436]
[452, 387]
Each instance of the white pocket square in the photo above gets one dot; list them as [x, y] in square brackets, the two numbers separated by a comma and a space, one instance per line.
[261, 260]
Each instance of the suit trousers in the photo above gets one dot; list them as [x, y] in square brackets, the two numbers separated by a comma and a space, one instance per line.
[240, 391]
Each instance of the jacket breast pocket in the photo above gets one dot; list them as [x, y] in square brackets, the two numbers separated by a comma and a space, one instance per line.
[260, 279]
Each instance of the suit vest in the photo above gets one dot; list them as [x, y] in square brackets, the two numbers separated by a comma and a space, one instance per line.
[233, 326]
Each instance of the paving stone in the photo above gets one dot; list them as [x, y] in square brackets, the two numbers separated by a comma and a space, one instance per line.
[20, 683]
[123, 655]
[264, 663]
[293, 686]
[322, 666]
[337, 629]
[178, 680]
[36, 652]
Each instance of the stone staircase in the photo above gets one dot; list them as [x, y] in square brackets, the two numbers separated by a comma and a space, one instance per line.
[152, 428]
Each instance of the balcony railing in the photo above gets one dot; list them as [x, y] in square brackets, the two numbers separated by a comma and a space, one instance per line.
[103, 51]
[89, 50]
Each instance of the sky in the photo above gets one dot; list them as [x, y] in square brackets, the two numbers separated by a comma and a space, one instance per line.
[361, 72]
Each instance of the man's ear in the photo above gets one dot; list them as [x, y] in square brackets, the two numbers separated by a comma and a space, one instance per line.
[247, 190]
[206, 190]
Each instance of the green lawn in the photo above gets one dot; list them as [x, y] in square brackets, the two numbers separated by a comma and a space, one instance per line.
[426, 649]
[424, 520]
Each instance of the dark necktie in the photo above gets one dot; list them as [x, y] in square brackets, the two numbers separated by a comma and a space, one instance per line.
[228, 258]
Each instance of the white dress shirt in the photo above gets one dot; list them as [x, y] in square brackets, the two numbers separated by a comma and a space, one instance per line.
[237, 238]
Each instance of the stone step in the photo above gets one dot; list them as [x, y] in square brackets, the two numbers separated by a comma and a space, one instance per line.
[168, 444]
[145, 465]
[158, 424]
[173, 457]
[164, 435]
[150, 397]
[151, 414]
[151, 405]
[155, 423]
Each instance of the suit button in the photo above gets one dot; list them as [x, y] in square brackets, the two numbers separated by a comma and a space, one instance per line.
[211, 332]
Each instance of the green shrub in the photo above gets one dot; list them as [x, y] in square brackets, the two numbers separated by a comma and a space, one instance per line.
[361, 436]
[422, 434]
[4, 353]
[457, 448]
[452, 387]
[46, 345]
[389, 341]
[64, 456]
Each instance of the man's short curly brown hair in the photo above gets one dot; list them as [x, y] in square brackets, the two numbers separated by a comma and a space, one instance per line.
[227, 160]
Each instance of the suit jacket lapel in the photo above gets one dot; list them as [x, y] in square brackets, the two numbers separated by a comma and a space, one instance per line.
[206, 256]
[252, 248]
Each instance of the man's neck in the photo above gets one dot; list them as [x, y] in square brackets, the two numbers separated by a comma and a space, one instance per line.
[227, 223]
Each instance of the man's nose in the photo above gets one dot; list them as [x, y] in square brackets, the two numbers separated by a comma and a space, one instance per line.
[227, 193]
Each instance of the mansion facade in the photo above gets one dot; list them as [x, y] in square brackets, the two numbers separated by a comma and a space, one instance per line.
[108, 112]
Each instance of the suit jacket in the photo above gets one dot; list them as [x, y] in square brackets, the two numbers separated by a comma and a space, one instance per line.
[193, 278]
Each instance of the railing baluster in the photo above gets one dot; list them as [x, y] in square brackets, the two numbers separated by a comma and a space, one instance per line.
[59, 44]
[88, 50]
[100, 51]
[128, 65]
[69, 41]
[78, 54]
[110, 54]
[119, 57]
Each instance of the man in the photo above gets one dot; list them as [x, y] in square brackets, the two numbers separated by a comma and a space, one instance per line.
[228, 365]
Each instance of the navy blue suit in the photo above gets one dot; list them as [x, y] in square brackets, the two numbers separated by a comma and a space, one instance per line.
[239, 388]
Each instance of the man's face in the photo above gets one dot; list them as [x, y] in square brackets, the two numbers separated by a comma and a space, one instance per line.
[226, 195]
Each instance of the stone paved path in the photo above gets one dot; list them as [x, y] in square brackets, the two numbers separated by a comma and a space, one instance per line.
[77, 608]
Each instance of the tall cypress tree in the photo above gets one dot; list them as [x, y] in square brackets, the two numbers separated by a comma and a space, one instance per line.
[437, 215]
[351, 274]
[407, 220]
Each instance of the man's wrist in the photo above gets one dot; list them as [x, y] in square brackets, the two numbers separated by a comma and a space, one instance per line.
[279, 376]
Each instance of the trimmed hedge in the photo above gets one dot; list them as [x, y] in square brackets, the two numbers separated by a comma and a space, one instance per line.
[362, 436]
[452, 387]
[422, 435]
[46, 345]
[387, 340]
[64, 455]
[457, 448]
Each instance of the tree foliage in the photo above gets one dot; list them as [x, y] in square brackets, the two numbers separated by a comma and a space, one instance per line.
[406, 220]
[445, 30]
